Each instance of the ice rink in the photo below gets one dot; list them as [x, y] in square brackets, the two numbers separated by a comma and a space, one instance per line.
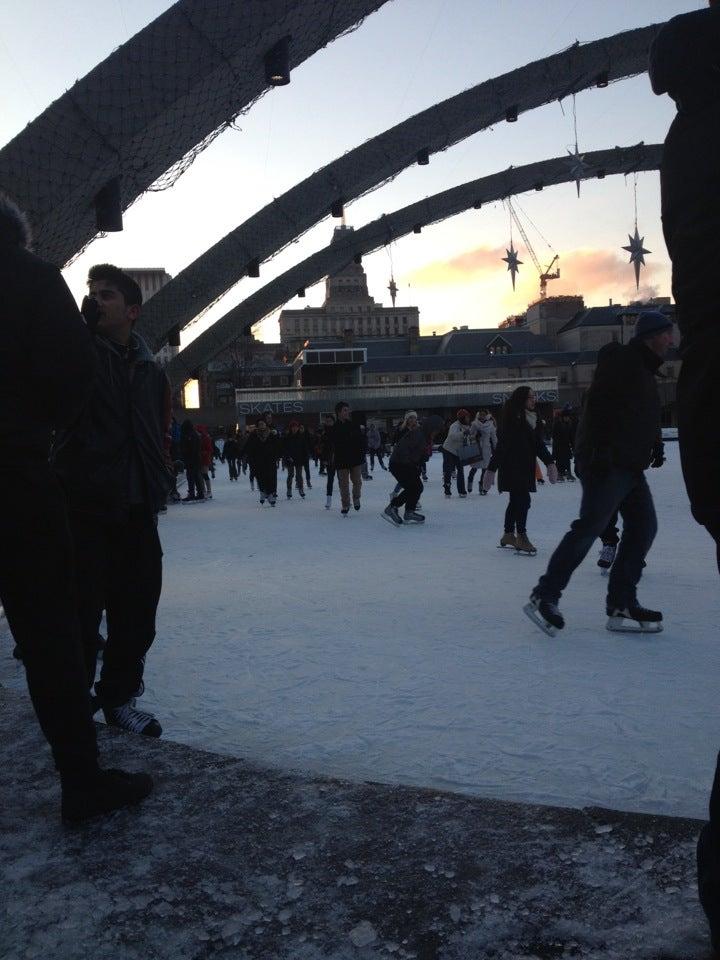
[300, 639]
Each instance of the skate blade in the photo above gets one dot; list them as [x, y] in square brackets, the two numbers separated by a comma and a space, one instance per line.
[621, 625]
[390, 520]
[604, 571]
[526, 553]
[533, 615]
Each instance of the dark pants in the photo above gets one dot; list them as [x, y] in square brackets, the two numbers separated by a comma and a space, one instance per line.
[708, 863]
[37, 590]
[330, 480]
[621, 490]
[409, 479]
[517, 511]
[119, 570]
[306, 468]
[232, 467]
[450, 463]
[266, 476]
[195, 483]
[295, 470]
[376, 453]
[611, 534]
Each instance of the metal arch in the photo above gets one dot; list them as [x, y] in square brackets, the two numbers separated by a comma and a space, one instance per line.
[142, 110]
[498, 186]
[378, 160]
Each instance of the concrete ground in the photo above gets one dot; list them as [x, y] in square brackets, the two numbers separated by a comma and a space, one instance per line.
[229, 860]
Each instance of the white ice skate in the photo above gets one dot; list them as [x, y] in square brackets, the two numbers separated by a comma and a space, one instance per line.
[634, 619]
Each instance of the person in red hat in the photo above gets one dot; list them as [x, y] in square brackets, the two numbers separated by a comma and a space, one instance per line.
[457, 437]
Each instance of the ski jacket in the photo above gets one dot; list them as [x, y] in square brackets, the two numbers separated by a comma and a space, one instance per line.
[410, 450]
[262, 453]
[116, 453]
[46, 355]
[620, 421]
[483, 432]
[206, 451]
[294, 447]
[230, 450]
[348, 444]
[515, 455]
[456, 438]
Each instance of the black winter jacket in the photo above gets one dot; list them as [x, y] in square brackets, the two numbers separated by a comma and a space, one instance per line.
[294, 447]
[262, 453]
[46, 356]
[621, 417]
[517, 448]
[119, 445]
[348, 444]
[410, 450]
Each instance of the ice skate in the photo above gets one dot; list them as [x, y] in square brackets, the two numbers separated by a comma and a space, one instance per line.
[356, 504]
[523, 545]
[390, 513]
[634, 619]
[607, 557]
[412, 516]
[544, 614]
[508, 540]
[345, 511]
[302, 494]
[328, 503]
[273, 499]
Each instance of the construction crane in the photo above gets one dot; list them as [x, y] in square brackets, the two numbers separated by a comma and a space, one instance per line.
[545, 274]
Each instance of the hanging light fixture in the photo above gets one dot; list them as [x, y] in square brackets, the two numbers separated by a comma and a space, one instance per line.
[108, 207]
[417, 228]
[301, 291]
[539, 185]
[337, 207]
[277, 63]
[601, 174]
[423, 157]
[477, 205]
[602, 79]
[511, 114]
[253, 268]
[357, 258]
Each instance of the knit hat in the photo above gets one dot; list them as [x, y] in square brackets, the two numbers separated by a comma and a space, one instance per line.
[463, 414]
[652, 322]
[411, 413]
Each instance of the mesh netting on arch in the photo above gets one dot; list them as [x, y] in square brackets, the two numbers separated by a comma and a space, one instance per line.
[145, 112]
[379, 160]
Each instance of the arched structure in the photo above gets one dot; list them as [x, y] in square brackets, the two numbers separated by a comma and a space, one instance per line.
[390, 227]
[382, 158]
[153, 104]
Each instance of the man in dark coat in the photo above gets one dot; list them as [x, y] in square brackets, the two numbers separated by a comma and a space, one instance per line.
[348, 446]
[617, 439]
[294, 452]
[684, 63]
[262, 452]
[563, 437]
[113, 463]
[46, 372]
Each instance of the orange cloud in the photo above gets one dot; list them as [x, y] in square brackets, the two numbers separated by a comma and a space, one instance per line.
[581, 271]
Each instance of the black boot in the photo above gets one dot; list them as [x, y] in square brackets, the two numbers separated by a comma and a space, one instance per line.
[108, 790]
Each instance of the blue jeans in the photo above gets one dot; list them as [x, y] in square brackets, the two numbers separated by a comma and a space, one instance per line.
[620, 490]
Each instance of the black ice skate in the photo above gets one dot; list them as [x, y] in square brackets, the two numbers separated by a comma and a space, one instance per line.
[607, 557]
[634, 619]
[544, 614]
[390, 513]
[412, 516]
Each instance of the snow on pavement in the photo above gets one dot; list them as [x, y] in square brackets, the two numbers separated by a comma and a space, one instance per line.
[299, 639]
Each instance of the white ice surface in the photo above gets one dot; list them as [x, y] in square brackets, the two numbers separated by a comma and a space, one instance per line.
[296, 638]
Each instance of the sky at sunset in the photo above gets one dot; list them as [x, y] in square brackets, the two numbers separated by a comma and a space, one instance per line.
[403, 59]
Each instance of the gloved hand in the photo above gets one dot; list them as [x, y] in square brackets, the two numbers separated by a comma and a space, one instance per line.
[488, 480]
[600, 462]
[552, 472]
[658, 455]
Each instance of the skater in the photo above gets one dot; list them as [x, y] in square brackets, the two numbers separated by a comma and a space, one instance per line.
[191, 456]
[348, 453]
[114, 466]
[230, 455]
[683, 63]
[364, 472]
[519, 443]
[327, 463]
[46, 372]
[206, 457]
[294, 450]
[406, 461]
[457, 437]
[307, 451]
[484, 433]
[616, 441]
[563, 438]
[262, 452]
[375, 446]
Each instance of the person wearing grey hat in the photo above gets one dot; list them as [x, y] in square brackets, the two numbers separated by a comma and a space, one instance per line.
[618, 437]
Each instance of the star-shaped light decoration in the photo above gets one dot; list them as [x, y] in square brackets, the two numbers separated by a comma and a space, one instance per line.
[512, 261]
[637, 254]
[392, 287]
[578, 166]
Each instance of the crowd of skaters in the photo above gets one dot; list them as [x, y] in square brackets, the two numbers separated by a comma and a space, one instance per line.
[89, 456]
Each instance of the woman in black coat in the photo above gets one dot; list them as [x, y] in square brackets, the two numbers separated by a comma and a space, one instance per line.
[519, 443]
[190, 456]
